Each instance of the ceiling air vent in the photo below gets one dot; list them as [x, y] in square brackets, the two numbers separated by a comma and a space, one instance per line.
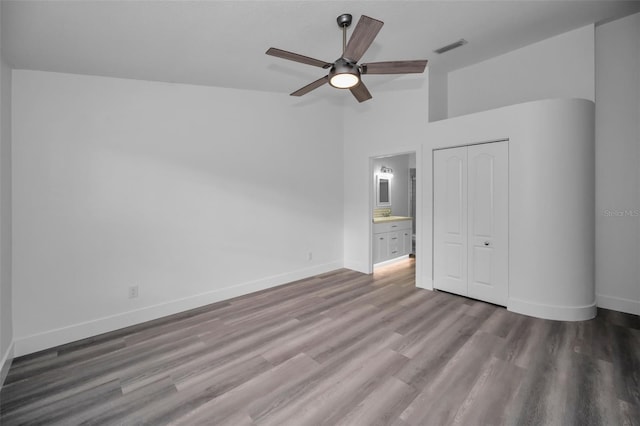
[451, 46]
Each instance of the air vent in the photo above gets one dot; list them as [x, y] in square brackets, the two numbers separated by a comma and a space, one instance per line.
[451, 46]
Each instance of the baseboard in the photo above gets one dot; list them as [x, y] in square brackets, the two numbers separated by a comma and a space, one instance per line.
[357, 266]
[552, 312]
[5, 364]
[618, 304]
[51, 338]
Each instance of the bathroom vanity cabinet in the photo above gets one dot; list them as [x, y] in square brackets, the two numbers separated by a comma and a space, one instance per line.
[391, 239]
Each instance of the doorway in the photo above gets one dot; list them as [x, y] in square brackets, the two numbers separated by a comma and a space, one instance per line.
[393, 208]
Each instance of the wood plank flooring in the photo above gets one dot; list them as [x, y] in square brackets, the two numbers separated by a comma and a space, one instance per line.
[342, 348]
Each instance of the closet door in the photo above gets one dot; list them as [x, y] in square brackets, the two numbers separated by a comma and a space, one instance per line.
[470, 221]
[450, 220]
[488, 253]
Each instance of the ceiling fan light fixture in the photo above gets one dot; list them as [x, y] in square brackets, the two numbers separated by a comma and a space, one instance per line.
[344, 74]
[344, 81]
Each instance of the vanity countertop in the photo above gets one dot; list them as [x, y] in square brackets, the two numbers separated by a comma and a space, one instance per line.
[390, 219]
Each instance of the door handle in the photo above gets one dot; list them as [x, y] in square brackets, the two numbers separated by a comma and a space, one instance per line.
[486, 243]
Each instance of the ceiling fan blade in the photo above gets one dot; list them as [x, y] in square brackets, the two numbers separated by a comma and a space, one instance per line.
[279, 53]
[395, 67]
[361, 92]
[311, 86]
[362, 37]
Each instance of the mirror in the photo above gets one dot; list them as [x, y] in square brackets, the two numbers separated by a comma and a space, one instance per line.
[383, 191]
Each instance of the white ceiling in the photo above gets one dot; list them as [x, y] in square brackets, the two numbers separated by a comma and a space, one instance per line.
[222, 43]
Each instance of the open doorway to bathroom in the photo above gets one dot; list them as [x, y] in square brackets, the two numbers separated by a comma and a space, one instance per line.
[393, 210]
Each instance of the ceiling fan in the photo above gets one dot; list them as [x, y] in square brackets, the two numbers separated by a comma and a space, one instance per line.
[345, 72]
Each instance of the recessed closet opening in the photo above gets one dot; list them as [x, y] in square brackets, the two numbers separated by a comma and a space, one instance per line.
[471, 221]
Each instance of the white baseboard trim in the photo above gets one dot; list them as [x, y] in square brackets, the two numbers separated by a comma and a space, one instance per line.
[51, 338]
[5, 363]
[618, 304]
[552, 312]
[358, 266]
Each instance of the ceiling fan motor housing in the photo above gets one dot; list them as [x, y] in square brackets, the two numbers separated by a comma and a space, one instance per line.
[344, 68]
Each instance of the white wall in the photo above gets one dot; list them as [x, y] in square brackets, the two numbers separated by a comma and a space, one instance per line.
[617, 164]
[399, 181]
[558, 67]
[6, 317]
[393, 122]
[551, 201]
[438, 95]
[196, 194]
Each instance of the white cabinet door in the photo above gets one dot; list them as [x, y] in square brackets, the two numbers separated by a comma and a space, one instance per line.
[470, 222]
[450, 220]
[380, 247]
[488, 253]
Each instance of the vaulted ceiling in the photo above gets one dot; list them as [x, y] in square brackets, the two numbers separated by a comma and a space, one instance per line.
[223, 43]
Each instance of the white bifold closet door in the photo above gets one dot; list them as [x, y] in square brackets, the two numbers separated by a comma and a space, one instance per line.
[470, 221]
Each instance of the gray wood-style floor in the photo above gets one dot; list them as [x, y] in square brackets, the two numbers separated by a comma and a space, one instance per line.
[342, 348]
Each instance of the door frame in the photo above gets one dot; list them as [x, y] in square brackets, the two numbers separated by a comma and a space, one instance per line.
[426, 190]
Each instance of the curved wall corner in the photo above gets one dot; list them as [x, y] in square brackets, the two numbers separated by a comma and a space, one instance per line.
[552, 211]
[551, 201]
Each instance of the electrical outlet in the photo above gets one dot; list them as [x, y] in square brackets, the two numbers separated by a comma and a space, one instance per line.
[133, 292]
[310, 256]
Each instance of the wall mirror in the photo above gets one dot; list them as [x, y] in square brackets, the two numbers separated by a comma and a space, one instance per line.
[383, 191]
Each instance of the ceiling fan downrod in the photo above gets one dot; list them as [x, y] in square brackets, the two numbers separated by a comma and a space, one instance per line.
[344, 21]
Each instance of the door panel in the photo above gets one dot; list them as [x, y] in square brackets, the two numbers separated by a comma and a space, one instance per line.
[455, 261]
[481, 193]
[488, 189]
[455, 186]
[450, 220]
[381, 247]
[482, 260]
